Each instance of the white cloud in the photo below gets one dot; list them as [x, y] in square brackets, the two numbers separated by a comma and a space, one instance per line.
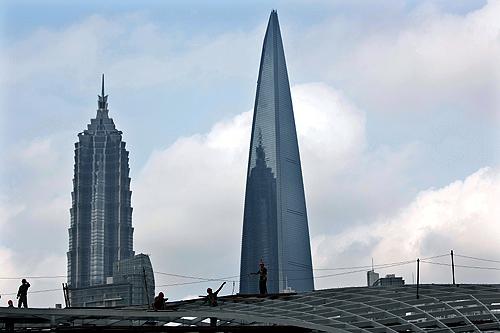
[325, 118]
[37, 177]
[34, 203]
[438, 58]
[133, 50]
[19, 266]
[8, 270]
[37, 154]
[462, 216]
[188, 202]
[8, 210]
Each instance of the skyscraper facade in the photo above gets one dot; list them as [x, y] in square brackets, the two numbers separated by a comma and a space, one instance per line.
[275, 228]
[101, 231]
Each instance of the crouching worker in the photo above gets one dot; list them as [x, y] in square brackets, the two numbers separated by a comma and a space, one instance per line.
[9, 323]
[211, 298]
[159, 302]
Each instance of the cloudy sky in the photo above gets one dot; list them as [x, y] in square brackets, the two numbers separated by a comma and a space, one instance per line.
[397, 108]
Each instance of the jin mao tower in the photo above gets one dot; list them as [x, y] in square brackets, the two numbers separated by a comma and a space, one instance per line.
[101, 231]
[275, 227]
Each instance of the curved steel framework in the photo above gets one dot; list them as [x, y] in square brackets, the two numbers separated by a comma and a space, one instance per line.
[439, 308]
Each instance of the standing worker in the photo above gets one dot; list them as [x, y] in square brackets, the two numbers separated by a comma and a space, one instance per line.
[262, 278]
[22, 294]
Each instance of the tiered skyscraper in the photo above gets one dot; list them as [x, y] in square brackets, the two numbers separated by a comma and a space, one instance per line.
[101, 230]
[275, 227]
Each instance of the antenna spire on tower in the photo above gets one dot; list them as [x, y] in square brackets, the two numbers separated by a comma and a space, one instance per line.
[102, 91]
[102, 102]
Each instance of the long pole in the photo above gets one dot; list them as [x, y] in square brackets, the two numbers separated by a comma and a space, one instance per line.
[146, 286]
[418, 276]
[66, 295]
[452, 268]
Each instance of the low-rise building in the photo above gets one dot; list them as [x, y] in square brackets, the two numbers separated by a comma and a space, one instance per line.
[390, 280]
[132, 283]
[371, 278]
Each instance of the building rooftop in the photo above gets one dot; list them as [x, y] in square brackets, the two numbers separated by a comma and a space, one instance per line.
[438, 308]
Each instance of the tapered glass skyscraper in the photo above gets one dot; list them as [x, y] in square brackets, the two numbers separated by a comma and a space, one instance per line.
[275, 228]
[100, 232]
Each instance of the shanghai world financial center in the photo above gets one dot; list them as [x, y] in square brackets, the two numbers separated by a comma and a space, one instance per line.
[275, 228]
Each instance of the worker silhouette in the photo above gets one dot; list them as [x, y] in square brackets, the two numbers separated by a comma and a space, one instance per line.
[159, 302]
[262, 278]
[9, 323]
[211, 298]
[22, 294]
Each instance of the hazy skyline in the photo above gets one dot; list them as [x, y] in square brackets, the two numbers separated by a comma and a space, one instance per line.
[397, 113]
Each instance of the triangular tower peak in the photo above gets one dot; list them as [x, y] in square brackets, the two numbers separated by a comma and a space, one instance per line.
[273, 18]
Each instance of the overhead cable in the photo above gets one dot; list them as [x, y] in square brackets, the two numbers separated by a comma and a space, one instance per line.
[475, 258]
[463, 266]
